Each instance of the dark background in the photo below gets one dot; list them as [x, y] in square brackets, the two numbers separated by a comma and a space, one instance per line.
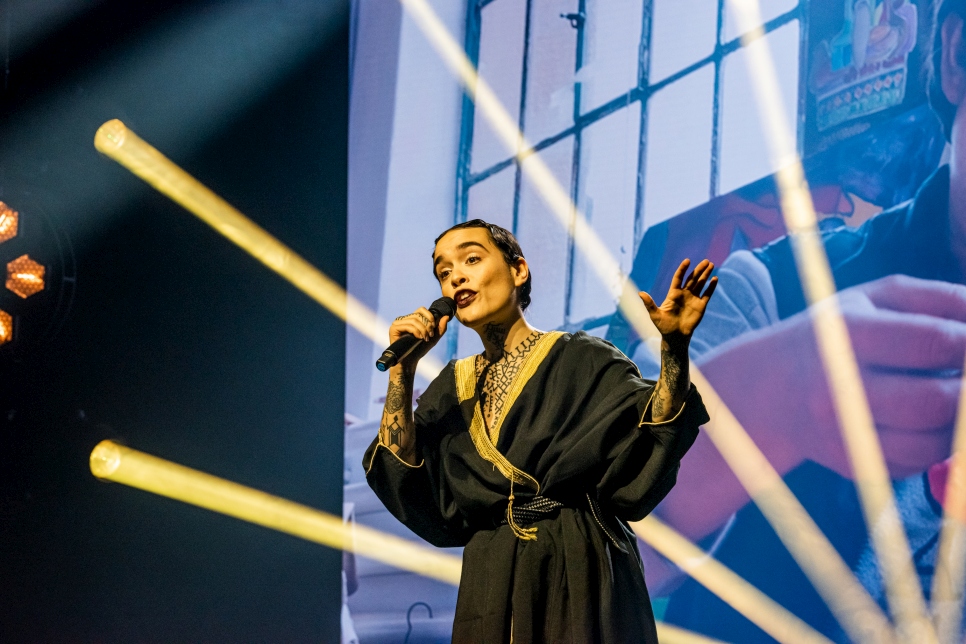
[171, 340]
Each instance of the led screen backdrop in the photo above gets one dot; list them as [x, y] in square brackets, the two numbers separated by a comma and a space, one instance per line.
[644, 111]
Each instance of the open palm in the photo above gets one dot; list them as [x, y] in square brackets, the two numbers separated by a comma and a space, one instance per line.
[681, 312]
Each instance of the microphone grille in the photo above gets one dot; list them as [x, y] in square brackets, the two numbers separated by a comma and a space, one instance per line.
[444, 306]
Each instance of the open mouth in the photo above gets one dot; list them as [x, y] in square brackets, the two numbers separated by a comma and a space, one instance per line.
[464, 297]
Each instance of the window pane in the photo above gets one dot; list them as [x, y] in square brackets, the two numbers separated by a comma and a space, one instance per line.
[678, 146]
[744, 151]
[550, 69]
[612, 41]
[770, 9]
[545, 241]
[501, 66]
[682, 33]
[492, 198]
[608, 191]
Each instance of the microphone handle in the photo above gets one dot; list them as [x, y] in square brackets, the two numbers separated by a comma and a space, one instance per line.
[443, 307]
[397, 351]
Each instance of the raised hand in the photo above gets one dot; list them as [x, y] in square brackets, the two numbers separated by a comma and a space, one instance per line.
[687, 299]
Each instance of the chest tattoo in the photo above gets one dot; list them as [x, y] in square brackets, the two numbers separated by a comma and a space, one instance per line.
[498, 376]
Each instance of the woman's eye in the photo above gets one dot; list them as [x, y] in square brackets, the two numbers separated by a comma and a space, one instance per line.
[472, 260]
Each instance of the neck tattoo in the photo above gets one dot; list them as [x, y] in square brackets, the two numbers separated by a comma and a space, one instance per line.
[496, 335]
[498, 375]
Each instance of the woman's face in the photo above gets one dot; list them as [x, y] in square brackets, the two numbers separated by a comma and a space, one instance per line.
[472, 271]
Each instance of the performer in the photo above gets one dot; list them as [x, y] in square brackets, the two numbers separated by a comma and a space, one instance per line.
[535, 454]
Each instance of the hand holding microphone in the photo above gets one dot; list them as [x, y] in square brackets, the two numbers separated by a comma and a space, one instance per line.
[412, 336]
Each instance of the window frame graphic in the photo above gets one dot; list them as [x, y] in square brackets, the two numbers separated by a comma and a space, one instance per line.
[466, 178]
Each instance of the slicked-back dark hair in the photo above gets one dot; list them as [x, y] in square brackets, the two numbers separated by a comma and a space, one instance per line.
[509, 247]
[945, 110]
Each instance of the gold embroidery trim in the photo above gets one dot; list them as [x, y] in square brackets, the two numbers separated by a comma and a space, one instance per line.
[375, 451]
[657, 423]
[466, 388]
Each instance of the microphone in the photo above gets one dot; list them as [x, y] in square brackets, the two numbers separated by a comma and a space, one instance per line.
[443, 307]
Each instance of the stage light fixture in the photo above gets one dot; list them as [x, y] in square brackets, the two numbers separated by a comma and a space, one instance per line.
[9, 221]
[6, 327]
[25, 277]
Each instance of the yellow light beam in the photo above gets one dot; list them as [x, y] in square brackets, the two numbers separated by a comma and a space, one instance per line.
[849, 602]
[670, 634]
[859, 615]
[148, 168]
[852, 409]
[748, 600]
[120, 464]
[950, 575]
[115, 140]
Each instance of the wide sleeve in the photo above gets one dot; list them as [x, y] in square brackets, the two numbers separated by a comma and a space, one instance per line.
[646, 463]
[634, 461]
[417, 495]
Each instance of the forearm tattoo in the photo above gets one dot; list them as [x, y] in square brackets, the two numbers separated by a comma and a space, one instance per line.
[395, 397]
[673, 383]
[397, 430]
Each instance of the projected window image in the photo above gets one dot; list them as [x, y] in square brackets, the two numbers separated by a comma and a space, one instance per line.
[641, 116]
[647, 115]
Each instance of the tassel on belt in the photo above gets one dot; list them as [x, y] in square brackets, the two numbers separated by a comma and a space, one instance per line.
[537, 508]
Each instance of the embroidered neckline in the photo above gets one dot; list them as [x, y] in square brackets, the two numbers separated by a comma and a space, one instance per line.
[493, 380]
[465, 371]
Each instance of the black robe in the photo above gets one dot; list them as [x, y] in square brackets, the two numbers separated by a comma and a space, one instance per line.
[574, 424]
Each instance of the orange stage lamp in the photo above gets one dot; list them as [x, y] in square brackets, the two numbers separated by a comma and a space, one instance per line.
[6, 327]
[9, 218]
[25, 276]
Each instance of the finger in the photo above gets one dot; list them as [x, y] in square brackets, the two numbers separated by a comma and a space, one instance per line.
[703, 272]
[912, 295]
[648, 302]
[913, 403]
[426, 319]
[443, 323]
[678, 279]
[907, 340]
[710, 290]
[410, 326]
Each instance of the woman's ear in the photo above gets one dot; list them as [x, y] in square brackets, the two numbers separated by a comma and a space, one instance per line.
[953, 71]
[521, 271]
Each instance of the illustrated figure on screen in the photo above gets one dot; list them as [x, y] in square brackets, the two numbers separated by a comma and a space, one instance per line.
[901, 277]
[864, 68]
[536, 454]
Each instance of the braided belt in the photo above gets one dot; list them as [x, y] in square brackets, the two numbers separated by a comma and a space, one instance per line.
[537, 508]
